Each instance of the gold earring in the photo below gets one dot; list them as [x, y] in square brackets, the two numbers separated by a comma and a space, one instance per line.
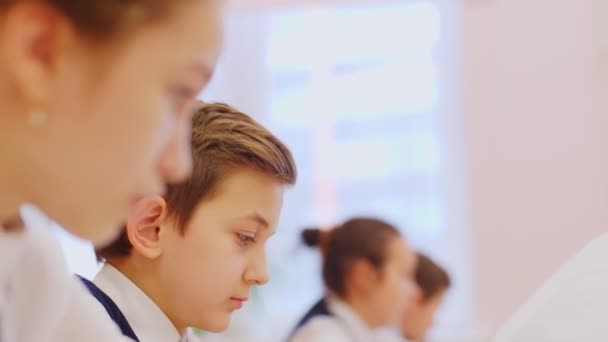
[37, 117]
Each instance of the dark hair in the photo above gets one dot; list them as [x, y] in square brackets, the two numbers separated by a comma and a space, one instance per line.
[430, 277]
[358, 238]
[313, 237]
[103, 18]
[222, 139]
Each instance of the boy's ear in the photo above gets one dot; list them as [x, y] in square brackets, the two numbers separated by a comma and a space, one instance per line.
[143, 226]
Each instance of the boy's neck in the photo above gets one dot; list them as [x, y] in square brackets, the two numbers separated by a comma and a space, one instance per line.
[138, 273]
[135, 272]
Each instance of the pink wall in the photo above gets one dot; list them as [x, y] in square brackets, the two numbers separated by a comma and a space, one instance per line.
[537, 140]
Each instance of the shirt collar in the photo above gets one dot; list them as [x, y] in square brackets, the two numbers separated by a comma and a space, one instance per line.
[358, 329]
[148, 321]
[352, 322]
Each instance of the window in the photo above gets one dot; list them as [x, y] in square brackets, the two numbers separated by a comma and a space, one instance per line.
[355, 93]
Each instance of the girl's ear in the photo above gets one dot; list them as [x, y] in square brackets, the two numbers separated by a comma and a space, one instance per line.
[364, 277]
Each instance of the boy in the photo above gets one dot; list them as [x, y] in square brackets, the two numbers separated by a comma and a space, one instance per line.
[190, 257]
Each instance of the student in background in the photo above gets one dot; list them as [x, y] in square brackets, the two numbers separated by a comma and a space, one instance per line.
[93, 115]
[368, 270]
[190, 257]
[433, 282]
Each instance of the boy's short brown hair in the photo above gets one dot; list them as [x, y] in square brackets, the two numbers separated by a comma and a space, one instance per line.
[222, 139]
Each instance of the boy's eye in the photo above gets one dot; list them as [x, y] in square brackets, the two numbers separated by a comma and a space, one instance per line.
[245, 239]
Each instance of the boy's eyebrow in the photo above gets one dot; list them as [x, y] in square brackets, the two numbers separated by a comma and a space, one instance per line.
[258, 219]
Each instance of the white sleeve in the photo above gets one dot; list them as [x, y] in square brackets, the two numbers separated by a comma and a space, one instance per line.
[321, 329]
[571, 306]
[44, 302]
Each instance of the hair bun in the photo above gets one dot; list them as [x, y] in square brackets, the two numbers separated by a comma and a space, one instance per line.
[311, 237]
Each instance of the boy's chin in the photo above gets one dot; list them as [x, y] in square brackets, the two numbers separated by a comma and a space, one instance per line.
[218, 324]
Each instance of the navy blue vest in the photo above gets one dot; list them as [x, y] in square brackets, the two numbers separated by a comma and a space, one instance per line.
[319, 309]
[111, 307]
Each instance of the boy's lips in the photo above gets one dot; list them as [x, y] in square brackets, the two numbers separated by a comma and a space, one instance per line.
[238, 301]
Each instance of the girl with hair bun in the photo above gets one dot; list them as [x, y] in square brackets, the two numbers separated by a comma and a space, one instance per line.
[368, 271]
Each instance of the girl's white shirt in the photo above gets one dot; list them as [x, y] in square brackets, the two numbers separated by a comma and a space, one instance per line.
[39, 299]
[344, 325]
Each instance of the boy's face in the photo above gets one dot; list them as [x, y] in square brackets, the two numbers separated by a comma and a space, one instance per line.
[207, 272]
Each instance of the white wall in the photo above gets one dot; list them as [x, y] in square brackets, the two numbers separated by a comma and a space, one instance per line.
[536, 135]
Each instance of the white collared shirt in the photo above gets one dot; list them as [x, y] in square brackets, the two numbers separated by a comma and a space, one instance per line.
[148, 321]
[571, 306]
[343, 326]
[39, 299]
